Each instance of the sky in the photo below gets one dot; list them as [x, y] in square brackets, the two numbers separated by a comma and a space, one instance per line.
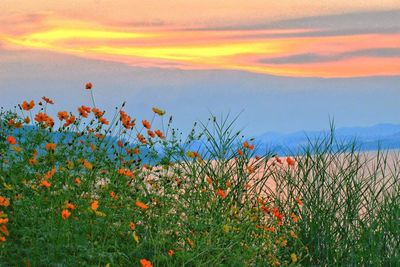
[284, 65]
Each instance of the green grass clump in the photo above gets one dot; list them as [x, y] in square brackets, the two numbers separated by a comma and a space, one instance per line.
[84, 190]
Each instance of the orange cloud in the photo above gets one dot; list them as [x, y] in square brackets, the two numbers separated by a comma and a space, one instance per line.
[257, 49]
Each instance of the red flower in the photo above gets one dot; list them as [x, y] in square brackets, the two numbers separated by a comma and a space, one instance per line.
[88, 86]
[65, 214]
[11, 140]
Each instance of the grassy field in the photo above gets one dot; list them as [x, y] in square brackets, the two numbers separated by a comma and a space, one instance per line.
[82, 190]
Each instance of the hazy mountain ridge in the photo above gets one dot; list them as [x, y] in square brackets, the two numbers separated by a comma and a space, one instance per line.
[383, 136]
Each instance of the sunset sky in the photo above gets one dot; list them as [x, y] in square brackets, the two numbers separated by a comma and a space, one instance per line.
[299, 62]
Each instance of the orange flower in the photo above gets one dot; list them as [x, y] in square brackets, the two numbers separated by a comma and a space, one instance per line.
[145, 263]
[50, 173]
[126, 172]
[142, 139]
[69, 121]
[141, 205]
[65, 214]
[95, 205]
[3, 221]
[2, 239]
[114, 195]
[160, 134]
[87, 164]
[103, 121]
[28, 106]
[209, 180]
[44, 118]
[257, 157]
[240, 152]
[221, 193]
[84, 111]
[151, 133]
[4, 202]
[294, 218]
[278, 160]
[290, 161]
[120, 144]
[88, 86]
[69, 205]
[45, 183]
[11, 140]
[97, 112]
[62, 115]
[126, 120]
[78, 181]
[158, 111]
[48, 100]
[4, 230]
[132, 226]
[171, 252]
[50, 147]
[248, 146]
[146, 124]
[27, 120]
[298, 200]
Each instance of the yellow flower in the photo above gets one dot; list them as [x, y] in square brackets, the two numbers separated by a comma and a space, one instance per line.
[293, 256]
[158, 111]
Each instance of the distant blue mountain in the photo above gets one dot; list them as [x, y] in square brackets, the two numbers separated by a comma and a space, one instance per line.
[383, 136]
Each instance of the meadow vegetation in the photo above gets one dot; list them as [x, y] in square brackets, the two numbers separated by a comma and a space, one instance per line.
[88, 188]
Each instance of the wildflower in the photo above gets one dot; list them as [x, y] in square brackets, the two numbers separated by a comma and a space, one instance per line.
[145, 263]
[113, 195]
[28, 106]
[4, 201]
[120, 144]
[2, 239]
[248, 146]
[293, 257]
[50, 173]
[50, 147]
[92, 147]
[11, 140]
[294, 218]
[87, 165]
[160, 134]
[126, 172]
[171, 252]
[257, 157]
[141, 205]
[277, 214]
[293, 234]
[69, 121]
[151, 133]
[97, 112]
[298, 200]
[88, 86]
[32, 161]
[221, 193]
[44, 118]
[78, 181]
[69, 205]
[209, 180]
[27, 120]
[146, 124]
[132, 226]
[278, 160]
[65, 214]
[126, 120]
[4, 230]
[290, 161]
[84, 111]
[104, 121]
[94, 205]
[142, 139]
[45, 183]
[48, 100]
[240, 152]
[62, 115]
[158, 111]
[3, 221]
